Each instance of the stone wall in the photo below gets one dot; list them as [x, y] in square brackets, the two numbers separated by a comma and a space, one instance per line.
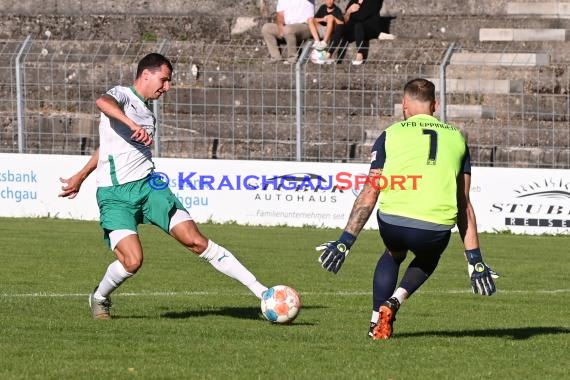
[225, 20]
[421, 30]
[236, 8]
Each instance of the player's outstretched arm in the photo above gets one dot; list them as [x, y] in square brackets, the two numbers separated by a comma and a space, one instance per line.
[71, 186]
[333, 253]
[365, 203]
[109, 106]
[481, 275]
[466, 221]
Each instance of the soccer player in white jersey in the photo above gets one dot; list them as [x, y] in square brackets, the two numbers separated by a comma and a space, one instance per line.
[124, 194]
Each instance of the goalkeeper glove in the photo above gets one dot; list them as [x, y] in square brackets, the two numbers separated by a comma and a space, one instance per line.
[333, 253]
[480, 273]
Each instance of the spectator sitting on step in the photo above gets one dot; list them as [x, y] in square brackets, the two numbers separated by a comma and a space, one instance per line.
[290, 26]
[362, 23]
[328, 23]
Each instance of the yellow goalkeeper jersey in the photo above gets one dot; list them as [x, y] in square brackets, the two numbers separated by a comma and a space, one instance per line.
[432, 152]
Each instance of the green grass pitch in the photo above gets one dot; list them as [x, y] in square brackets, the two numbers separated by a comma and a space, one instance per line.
[180, 319]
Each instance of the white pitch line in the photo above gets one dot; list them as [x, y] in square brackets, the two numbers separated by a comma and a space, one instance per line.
[339, 293]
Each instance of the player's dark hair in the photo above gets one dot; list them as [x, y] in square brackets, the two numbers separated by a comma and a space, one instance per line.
[420, 89]
[152, 62]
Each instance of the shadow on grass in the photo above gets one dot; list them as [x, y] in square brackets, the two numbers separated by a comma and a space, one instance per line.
[234, 312]
[519, 333]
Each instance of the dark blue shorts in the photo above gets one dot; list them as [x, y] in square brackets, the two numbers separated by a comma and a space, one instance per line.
[426, 243]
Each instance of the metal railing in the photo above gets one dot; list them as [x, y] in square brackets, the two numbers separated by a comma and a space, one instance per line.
[228, 102]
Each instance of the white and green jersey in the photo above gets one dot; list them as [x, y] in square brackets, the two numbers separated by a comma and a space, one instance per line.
[122, 160]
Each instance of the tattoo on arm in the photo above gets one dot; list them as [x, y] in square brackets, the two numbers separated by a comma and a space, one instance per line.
[364, 203]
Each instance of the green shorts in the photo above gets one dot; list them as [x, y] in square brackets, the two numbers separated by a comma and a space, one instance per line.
[124, 207]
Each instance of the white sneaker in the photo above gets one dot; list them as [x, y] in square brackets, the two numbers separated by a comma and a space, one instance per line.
[317, 56]
[321, 45]
[386, 36]
[357, 62]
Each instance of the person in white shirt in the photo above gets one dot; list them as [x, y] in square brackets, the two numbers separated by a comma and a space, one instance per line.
[291, 26]
[128, 193]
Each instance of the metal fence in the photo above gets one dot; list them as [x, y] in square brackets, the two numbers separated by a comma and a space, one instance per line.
[228, 102]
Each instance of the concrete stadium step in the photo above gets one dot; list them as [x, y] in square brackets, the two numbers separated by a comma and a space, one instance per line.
[516, 106]
[545, 9]
[481, 85]
[519, 108]
[197, 26]
[56, 126]
[559, 51]
[506, 34]
[318, 128]
[238, 52]
[511, 133]
[513, 157]
[389, 56]
[461, 111]
[124, 53]
[521, 157]
[552, 79]
[65, 134]
[210, 20]
[385, 60]
[500, 59]
[133, 7]
[481, 155]
[202, 26]
[401, 50]
[229, 7]
[496, 133]
[464, 28]
[405, 49]
[49, 135]
[501, 134]
[445, 7]
[260, 150]
[535, 95]
[227, 103]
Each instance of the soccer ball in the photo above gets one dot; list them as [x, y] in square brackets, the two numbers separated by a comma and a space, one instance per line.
[318, 56]
[280, 304]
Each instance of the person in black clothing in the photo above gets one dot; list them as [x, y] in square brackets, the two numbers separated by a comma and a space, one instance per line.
[328, 23]
[362, 23]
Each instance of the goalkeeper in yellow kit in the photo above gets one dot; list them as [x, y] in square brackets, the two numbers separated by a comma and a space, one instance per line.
[416, 219]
